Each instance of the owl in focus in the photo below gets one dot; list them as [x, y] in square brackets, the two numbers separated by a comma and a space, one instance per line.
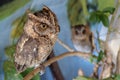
[82, 38]
[36, 43]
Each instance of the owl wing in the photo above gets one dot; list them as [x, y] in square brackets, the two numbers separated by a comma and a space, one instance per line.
[26, 52]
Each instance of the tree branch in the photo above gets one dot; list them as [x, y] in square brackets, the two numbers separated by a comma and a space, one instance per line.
[55, 68]
[54, 59]
[64, 45]
[107, 67]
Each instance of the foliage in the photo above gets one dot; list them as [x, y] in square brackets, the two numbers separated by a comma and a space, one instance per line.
[100, 56]
[109, 10]
[77, 11]
[36, 77]
[10, 72]
[97, 16]
[10, 50]
[114, 77]
[11, 7]
[102, 4]
[18, 26]
[117, 77]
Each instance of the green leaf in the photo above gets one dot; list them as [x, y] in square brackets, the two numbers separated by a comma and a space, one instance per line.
[84, 7]
[18, 26]
[36, 77]
[102, 4]
[109, 10]
[100, 56]
[10, 50]
[8, 9]
[117, 77]
[10, 72]
[77, 12]
[105, 20]
[93, 59]
[94, 17]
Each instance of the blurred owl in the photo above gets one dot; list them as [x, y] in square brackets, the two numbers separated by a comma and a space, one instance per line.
[38, 38]
[82, 38]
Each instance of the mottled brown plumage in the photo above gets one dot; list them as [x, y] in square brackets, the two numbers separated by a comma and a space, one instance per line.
[82, 38]
[37, 41]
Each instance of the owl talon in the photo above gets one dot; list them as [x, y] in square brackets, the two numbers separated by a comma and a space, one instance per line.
[42, 71]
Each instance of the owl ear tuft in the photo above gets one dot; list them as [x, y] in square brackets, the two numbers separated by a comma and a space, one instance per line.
[52, 15]
[32, 16]
[46, 8]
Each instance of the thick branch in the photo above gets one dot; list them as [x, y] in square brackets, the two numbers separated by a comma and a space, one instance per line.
[55, 68]
[107, 64]
[54, 59]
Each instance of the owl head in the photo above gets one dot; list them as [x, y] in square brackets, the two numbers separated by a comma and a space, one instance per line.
[80, 32]
[42, 23]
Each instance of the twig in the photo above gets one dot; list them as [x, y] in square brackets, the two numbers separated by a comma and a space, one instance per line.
[52, 60]
[64, 45]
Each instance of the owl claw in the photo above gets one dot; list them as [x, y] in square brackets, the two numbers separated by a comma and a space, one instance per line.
[42, 71]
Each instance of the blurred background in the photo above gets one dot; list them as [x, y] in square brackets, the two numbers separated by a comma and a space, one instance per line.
[69, 13]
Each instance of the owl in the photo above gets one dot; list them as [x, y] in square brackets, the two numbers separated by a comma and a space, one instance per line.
[82, 38]
[37, 40]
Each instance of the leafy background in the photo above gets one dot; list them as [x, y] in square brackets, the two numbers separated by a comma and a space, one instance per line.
[96, 11]
[78, 13]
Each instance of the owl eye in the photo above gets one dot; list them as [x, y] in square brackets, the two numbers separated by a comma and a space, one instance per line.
[84, 31]
[43, 26]
[76, 32]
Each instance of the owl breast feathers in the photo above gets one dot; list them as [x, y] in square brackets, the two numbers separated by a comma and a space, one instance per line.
[38, 38]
